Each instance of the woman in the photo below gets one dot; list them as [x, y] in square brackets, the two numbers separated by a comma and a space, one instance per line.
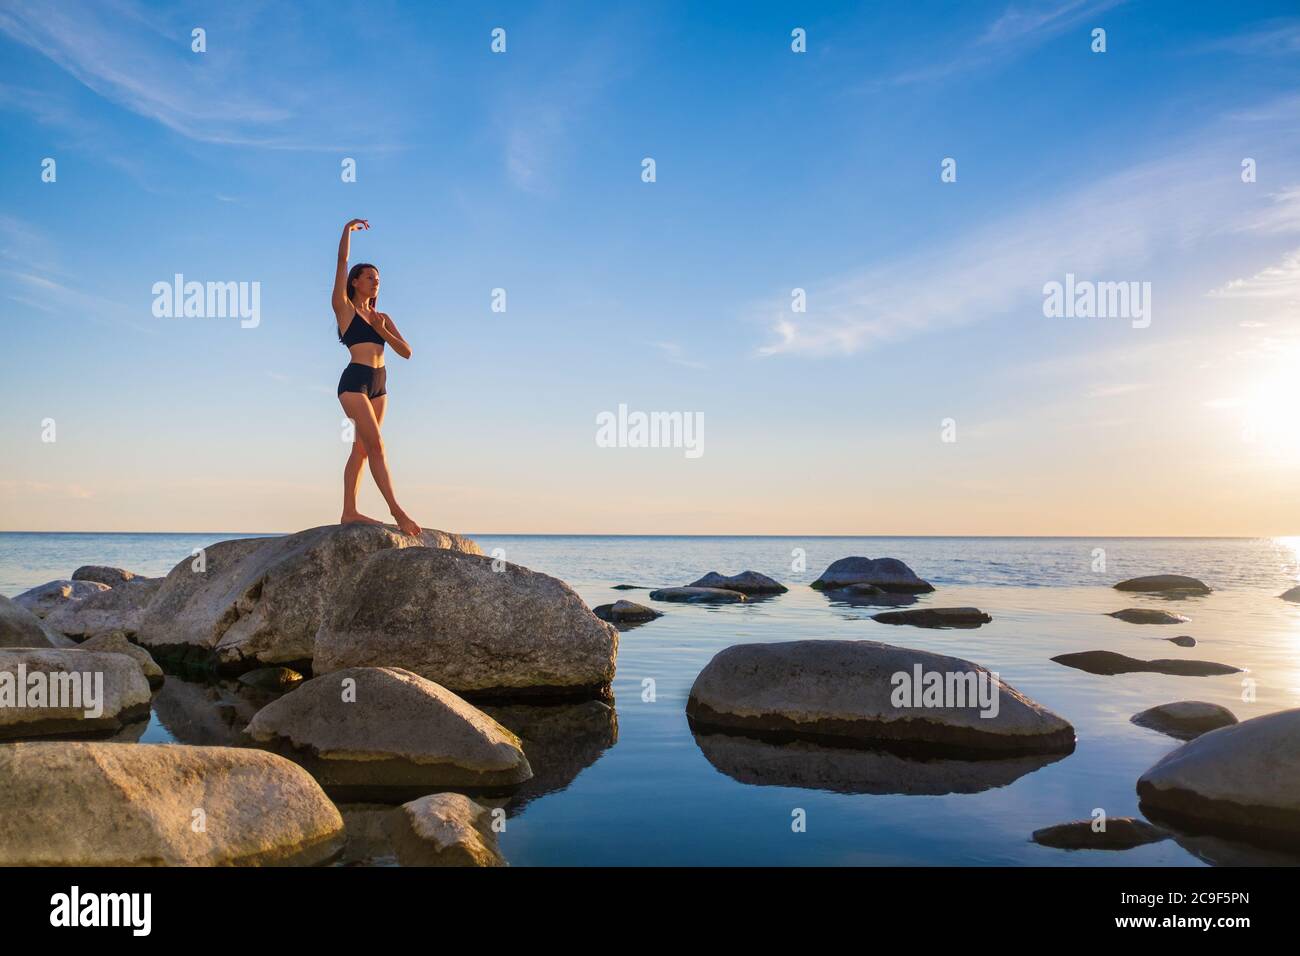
[362, 391]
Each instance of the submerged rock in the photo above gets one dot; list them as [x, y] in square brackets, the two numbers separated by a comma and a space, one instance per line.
[888, 574]
[271, 678]
[107, 804]
[19, 627]
[386, 727]
[1146, 615]
[1185, 719]
[625, 612]
[693, 595]
[1120, 833]
[260, 601]
[935, 617]
[1160, 583]
[746, 582]
[454, 619]
[865, 693]
[444, 829]
[112, 609]
[116, 642]
[1182, 640]
[1242, 780]
[47, 691]
[1110, 663]
[52, 595]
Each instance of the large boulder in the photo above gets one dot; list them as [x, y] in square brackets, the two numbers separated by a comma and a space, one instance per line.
[935, 617]
[46, 691]
[475, 626]
[746, 582]
[386, 727]
[1110, 663]
[256, 601]
[1242, 780]
[866, 693]
[1162, 583]
[694, 595]
[52, 595]
[106, 575]
[107, 804]
[116, 642]
[888, 574]
[1148, 615]
[1185, 719]
[113, 609]
[444, 829]
[19, 627]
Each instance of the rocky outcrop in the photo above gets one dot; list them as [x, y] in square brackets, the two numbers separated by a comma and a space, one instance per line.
[475, 626]
[52, 595]
[888, 574]
[625, 612]
[694, 595]
[750, 583]
[116, 642]
[1163, 583]
[444, 829]
[249, 602]
[113, 609]
[1185, 719]
[107, 804]
[1120, 833]
[1242, 780]
[935, 617]
[1110, 663]
[385, 727]
[865, 693]
[46, 691]
[105, 575]
[19, 627]
[1147, 615]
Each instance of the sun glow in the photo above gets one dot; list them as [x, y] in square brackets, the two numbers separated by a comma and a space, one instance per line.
[1272, 413]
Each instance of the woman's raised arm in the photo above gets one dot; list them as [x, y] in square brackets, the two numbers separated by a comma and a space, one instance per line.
[340, 298]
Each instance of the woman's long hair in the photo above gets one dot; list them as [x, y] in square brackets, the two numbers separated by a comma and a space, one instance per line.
[352, 277]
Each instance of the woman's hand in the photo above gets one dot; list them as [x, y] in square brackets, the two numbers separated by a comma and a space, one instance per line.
[356, 224]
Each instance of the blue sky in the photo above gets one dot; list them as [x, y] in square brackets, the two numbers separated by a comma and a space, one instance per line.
[775, 170]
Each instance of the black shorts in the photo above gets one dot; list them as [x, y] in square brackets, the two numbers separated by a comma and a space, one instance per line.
[371, 382]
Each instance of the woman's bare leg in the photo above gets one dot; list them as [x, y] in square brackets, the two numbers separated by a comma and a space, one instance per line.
[352, 472]
[362, 413]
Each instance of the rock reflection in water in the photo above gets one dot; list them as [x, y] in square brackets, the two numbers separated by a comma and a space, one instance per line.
[213, 714]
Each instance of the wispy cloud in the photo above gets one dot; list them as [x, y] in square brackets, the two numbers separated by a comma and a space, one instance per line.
[1275, 282]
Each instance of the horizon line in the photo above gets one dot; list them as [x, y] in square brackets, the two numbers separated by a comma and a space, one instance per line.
[634, 534]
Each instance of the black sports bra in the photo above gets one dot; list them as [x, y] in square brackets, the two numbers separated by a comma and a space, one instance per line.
[359, 330]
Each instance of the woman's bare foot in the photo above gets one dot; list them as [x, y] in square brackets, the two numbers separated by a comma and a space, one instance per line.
[356, 517]
[406, 523]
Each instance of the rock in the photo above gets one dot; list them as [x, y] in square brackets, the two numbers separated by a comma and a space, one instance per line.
[1185, 719]
[1159, 583]
[746, 582]
[451, 618]
[444, 829]
[845, 691]
[271, 678]
[868, 595]
[1110, 663]
[935, 617]
[51, 595]
[1182, 640]
[99, 692]
[1292, 595]
[625, 612]
[368, 842]
[106, 575]
[103, 804]
[888, 574]
[208, 713]
[112, 609]
[116, 642]
[385, 727]
[260, 601]
[1146, 615]
[1242, 780]
[629, 587]
[1121, 833]
[19, 627]
[693, 595]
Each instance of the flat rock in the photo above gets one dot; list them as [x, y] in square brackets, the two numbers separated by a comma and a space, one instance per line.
[1159, 583]
[1109, 662]
[693, 595]
[260, 601]
[444, 829]
[116, 642]
[103, 574]
[387, 727]
[845, 691]
[1182, 640]
[113, 609]
[625, 612]
[1147, 615]
[1291, 595]
[888, 574]
[746, 582]
[51, 595]
[1121, 833]
[1242, 780]
[935, 617]
[108, 804]
[473, 625]
[1185, 719]
[77, 692]
[19, 627]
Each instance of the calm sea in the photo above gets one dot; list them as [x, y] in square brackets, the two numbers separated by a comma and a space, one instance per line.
[637, 787]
